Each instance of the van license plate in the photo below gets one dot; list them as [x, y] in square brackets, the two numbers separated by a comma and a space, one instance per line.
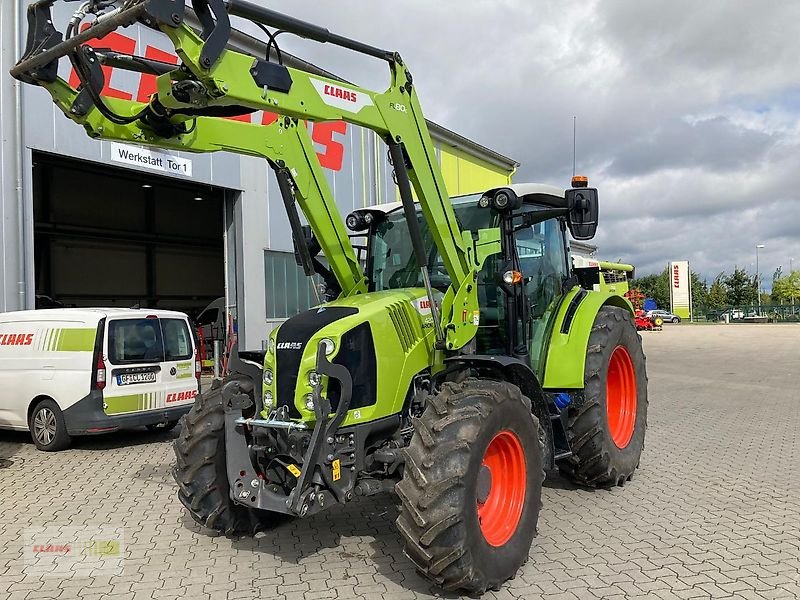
[131, 378]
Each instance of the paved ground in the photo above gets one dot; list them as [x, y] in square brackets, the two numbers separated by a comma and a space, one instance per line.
[713, 512]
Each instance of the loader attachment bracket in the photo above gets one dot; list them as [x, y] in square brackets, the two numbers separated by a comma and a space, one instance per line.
[216, 29]
[42, 36]
[327, 468]
[168, 12]
[83, 101]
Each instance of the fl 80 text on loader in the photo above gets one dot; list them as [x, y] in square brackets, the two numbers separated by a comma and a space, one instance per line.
[459, 361]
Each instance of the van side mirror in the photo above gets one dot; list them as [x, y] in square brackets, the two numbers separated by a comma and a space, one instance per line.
[583, 211]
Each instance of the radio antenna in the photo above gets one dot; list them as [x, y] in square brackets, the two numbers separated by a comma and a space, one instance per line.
[574, 136]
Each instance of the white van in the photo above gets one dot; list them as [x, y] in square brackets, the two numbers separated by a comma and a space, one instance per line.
[83, 371]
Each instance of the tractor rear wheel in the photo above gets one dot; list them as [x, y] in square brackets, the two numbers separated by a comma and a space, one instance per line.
[471, 489]
[201, 472]
[606, 431]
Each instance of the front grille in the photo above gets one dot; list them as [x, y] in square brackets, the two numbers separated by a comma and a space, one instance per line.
[403, 324]
[615, 277]
[357, 355]
[292, 339]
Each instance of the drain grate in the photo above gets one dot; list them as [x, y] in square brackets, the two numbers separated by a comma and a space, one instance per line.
[5, 463]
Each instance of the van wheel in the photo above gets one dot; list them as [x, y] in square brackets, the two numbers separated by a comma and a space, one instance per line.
[47, 427]
[162, 427]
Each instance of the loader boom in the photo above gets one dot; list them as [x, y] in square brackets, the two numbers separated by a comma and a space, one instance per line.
[215, 80]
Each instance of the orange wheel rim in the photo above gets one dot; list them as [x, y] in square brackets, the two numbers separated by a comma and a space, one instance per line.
[505, 476]
[621, 397]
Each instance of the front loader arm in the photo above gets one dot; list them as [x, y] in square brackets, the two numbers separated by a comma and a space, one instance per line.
[213, 77]
[285, 144]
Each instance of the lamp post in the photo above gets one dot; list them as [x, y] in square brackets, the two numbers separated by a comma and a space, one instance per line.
[758, 279]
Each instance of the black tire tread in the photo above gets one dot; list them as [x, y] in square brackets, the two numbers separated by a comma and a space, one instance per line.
[202, 482]
[591, 464]
[430, 522]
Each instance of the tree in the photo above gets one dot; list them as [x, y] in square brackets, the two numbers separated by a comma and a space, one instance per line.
[699, 291]
[717, 294]
[654, 286]
[787, 288]
[740, 288]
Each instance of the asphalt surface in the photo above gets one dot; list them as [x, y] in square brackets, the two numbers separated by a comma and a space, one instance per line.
[714, 510]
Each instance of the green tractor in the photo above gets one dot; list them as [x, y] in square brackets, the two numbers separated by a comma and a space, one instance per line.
[462, 358]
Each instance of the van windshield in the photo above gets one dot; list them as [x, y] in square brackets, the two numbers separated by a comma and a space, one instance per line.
[148, 340]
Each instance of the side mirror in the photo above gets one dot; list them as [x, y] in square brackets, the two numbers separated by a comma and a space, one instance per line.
[583, 210]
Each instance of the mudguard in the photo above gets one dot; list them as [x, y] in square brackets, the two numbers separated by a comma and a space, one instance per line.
[569, 338]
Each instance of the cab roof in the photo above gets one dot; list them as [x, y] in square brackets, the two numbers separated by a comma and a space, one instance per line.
[540, 193]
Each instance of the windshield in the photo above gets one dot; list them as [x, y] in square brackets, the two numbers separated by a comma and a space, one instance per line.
[392, 263]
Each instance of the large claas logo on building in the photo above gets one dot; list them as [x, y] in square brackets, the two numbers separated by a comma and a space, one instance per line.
[676, 276]
[330, 150]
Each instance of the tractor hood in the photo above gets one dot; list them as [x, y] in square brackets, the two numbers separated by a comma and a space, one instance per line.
[388, 333]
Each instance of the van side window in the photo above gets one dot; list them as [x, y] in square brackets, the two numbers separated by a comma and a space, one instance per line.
[177, 340]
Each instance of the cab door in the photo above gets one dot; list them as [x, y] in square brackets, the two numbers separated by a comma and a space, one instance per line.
[543, 262]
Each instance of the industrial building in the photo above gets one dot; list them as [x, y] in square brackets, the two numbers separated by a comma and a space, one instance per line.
[91, 223]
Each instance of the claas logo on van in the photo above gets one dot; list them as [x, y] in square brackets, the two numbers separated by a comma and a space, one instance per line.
[181, 396]
[16, 339]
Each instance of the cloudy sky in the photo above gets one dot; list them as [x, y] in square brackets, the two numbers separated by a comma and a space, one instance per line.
[687, 112]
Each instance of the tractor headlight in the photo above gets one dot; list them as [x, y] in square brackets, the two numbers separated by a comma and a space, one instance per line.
[268, 400]
[329, 344]
[271, 345]
[309, 401]
[314, 379]
[484, 201]
[268, 376]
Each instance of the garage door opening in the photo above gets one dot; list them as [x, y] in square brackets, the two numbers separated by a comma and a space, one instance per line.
[114, 237]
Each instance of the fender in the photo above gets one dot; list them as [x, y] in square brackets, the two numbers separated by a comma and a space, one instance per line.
[569, 338]
[520, 374]
[249, 364]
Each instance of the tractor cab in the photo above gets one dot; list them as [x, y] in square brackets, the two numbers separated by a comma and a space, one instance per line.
[519, 287]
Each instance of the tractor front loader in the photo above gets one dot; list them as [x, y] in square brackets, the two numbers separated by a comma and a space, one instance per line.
[465, 357]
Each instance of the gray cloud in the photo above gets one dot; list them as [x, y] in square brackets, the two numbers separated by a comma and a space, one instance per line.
[715, 143]
[687, 111]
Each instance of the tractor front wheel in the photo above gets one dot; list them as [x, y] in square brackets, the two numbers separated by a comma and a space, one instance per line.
[472, 485]
[606, 430]
[201, 472]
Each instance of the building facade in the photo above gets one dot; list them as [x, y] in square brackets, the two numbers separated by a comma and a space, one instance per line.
[86, 222]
